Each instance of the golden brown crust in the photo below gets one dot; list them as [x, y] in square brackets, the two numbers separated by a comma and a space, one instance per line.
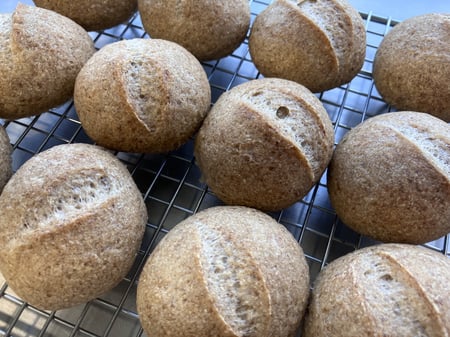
[322, 47]
[41, 53]
[72, 220]
[5, 158]
[251, 157]
[208, 29]
[390, 178]
[142, 96]
[240, 274]
[385, 290]
[412, 65]
[92, 14]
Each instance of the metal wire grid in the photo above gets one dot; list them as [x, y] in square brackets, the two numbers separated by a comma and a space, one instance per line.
[173, 189]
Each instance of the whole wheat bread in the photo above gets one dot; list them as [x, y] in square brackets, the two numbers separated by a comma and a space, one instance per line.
[71, 223]
[385, 290]
[208, 29]
[390, 178]
[92, 14]
[142, 95]
[225, 271]
[5, 158]
[318, 43]
[41, 53]
[264, 144]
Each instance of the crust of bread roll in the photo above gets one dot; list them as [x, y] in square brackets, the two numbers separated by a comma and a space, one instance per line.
[322, 47]
[142, 95]
[264, 144]
[208, 29]
[385, 290]
[92, 14]
[5, 158]
[226, 271]
[412, 65]
[41, 53]
[389, 178]
[72, 220]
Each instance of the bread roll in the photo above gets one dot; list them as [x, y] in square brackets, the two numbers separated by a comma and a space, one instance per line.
[389, 178]
[320, 44]
[92, 14]
[41, 53]
[264, 144]
[412, 65]
[385, 290]
[5, 158]
[142, 95]
[71, 223]
[208, 29]
[226, 271]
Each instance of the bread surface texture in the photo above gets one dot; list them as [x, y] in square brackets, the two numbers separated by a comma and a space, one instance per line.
[41, 53]
[5, 158]
[142, 95]
[225, 271]
[264, 144]
[208, 29]
[71, 223]
[393, 290]
[412, 65]
[92, 14]
[318, 43]
[389, 178]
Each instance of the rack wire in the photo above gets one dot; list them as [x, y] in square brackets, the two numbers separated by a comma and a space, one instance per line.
[173, 189]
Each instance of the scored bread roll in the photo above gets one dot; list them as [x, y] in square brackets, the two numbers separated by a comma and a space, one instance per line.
[385, 290]
[71, 223]
[92, 14]
[142, 95]
[5, 158]
[264, 144]
[389, 178]
[208, 29]
[226, 271]
[322, 47]
[412, 65]
[41, 53]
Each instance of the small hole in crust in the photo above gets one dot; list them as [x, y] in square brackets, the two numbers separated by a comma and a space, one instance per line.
[282, 112]
[386, 277]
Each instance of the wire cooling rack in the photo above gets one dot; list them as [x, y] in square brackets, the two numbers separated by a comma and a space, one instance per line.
[173, 189]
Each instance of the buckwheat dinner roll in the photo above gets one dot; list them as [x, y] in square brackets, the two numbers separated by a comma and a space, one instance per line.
[412, 65]
[389, 178]
[226, 271]
[322, 47]
[264, 144]
[71, 223]
[142, 95]
[208, 29]
[385, 290]
[41, 53]
[5, 158]
[92, 14]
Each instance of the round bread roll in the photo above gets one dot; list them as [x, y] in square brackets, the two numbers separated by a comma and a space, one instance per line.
[240, 273]
[389, 178]
[412, 65]
[264, 144]
[41, 53]
[322, 47]
[5, 158]
[385, 290]
[142, 95]
[71, 223]
[92, 14]
[208, 29]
